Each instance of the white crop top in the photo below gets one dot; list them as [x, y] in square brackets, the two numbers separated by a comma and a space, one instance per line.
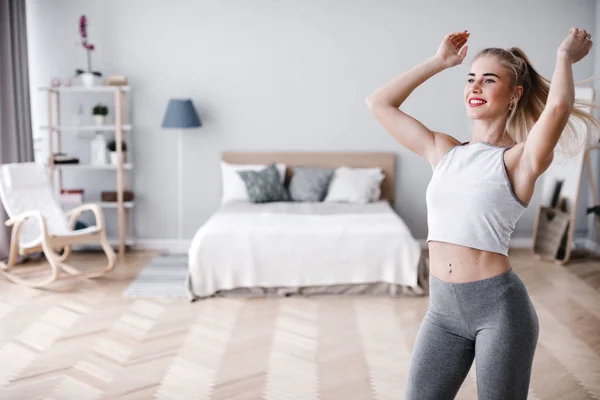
[470, 201]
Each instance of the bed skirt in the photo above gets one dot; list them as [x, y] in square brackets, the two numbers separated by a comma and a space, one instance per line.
[383, 289]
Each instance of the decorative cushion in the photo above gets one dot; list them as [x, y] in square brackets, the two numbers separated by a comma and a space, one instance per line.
[234, 188]
[310, 184]
[355, 185]
[264, 186]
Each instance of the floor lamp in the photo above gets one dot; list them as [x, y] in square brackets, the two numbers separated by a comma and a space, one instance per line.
[181, 115]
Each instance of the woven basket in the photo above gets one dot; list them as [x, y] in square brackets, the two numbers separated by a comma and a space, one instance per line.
[552, 227]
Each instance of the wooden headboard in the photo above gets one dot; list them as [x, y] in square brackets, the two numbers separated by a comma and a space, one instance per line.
[383, 160]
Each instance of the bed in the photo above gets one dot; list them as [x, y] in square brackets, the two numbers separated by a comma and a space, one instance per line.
[307, 248]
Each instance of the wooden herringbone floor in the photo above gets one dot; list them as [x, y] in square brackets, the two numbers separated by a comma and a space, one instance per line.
[84, 340]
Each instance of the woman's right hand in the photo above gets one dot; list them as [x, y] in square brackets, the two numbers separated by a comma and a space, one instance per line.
[449, 52]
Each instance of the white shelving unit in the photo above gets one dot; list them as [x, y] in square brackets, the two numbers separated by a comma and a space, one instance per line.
[108, 204]
[55, 130]
[125, 166]
[88, 128]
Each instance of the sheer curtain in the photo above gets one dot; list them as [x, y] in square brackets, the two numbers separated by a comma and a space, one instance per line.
[16, 142]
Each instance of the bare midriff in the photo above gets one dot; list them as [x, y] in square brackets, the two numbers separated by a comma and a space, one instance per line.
[458, 264]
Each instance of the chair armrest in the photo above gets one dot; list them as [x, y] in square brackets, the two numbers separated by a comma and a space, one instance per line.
[74, 213]
[18, 219]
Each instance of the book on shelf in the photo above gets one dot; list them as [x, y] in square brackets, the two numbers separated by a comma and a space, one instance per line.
[62, 158]
[109, 196]
[71, 196]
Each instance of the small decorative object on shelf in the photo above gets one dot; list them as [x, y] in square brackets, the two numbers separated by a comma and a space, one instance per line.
[112, 148]
[62, 158]
[112, 196]
[87, 76]
[78, 118]
[116, 80]
[55, 82]
[100, 111]
[98, 145]
[71, 197]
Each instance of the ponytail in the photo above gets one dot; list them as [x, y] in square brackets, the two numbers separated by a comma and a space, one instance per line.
[528, 109]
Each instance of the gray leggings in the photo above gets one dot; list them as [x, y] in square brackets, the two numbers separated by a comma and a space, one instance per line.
[491, 320]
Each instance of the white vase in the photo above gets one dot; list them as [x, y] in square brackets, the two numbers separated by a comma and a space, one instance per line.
[99, 119]
[114, 159]
[78, 118]
[98, 145]
[88, 79]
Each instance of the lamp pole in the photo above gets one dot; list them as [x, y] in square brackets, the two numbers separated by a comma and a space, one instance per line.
[180, 114]
[180, 183]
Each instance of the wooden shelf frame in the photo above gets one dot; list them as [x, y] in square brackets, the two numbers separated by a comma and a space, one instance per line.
[120, 128]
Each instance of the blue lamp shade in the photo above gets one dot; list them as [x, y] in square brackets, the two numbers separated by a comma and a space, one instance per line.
[181, 114]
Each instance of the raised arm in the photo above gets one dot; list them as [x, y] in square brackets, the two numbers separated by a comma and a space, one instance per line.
[544, 135]
[384, 103]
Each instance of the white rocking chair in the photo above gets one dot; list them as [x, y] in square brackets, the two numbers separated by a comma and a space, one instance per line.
[40, 225]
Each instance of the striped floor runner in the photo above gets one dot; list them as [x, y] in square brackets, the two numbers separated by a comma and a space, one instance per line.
[164, 276]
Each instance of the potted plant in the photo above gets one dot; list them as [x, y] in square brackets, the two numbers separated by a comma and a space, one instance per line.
[100, 111]
[88, 76]
[112, 148]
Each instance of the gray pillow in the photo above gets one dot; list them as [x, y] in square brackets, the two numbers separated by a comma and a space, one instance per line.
[264, 186]
[310, 183]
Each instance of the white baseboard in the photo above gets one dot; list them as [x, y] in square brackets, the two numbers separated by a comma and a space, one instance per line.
[164, 245]
[588, 244]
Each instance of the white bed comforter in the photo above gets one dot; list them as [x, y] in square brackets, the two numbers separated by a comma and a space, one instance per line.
[245, 245]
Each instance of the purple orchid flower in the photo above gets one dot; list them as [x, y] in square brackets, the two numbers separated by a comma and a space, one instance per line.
[82, 26]
[88, 46]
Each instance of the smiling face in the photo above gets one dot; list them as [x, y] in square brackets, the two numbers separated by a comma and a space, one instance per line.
[489, 89]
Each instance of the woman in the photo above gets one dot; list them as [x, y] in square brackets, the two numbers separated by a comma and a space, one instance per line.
[479, 308]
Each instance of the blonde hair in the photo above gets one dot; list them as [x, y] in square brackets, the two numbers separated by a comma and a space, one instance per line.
[533, 100]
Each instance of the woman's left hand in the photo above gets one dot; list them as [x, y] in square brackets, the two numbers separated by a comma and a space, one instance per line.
[577, 44]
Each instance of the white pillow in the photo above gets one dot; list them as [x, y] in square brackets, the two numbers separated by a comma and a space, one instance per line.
[355, 185]
[234, 188]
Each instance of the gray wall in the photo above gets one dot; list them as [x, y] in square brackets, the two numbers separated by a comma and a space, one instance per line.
[280, 75]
